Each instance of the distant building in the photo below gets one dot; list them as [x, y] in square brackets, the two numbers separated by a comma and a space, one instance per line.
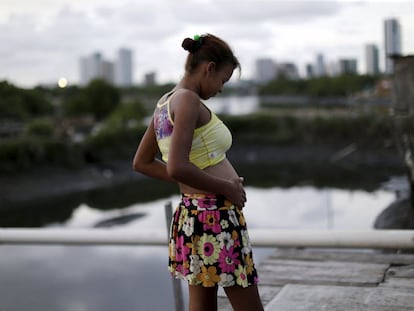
[108, 71]
[124, 68]
[90, 67]
[149, 78]
[84, 71]
[94, 67]
[372, 59]
[347, 66]
[320, 69]
[332, 69]
[392, 41]
[288, 70]
[118, 73]
[265, 70]
[310, 71]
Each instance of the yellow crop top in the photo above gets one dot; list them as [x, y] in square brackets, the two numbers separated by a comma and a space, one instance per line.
[210, 141]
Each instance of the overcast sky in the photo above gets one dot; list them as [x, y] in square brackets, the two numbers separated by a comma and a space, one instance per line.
[42, 40]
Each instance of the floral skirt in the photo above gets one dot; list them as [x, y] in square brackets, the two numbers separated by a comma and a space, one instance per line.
[209, 244]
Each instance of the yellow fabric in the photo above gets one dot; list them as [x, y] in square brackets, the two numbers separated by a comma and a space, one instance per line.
[210, 141]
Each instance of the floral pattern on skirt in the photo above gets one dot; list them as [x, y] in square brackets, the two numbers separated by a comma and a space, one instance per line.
[209, 243]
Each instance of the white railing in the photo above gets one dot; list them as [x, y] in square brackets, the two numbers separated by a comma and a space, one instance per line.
[375, 239]
[380, 239]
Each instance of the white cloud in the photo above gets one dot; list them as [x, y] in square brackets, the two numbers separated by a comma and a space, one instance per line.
[43, 41]
[247, 11]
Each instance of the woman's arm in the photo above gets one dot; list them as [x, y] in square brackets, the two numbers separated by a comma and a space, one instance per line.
[186, 110]
[145, 160]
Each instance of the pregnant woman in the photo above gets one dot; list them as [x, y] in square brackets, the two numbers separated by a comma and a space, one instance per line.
[209, 244]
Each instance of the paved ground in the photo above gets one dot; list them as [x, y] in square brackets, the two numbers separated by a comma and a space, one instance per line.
[335, 280]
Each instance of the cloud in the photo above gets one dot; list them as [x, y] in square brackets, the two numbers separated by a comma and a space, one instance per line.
[43, 50]
[245, 11]
[46, 40]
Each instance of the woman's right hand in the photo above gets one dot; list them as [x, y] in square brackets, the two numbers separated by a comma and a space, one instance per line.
[236, 193]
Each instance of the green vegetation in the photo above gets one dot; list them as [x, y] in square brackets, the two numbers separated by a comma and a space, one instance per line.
[40, 128]
[99, 122]
[367, 131]
[319, 87]
[21, 104]
[49, 119]
[99, 99]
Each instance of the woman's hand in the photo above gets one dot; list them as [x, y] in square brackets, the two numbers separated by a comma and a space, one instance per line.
[236, 193]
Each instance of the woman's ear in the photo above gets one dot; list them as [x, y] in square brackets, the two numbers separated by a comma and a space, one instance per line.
[211, 67]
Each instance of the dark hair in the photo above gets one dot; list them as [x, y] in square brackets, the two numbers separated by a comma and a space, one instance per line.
[208, 48]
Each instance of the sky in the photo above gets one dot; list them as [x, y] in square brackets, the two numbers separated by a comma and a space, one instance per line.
[43, 40]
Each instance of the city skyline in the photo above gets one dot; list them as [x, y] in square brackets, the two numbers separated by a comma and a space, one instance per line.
[118, 72]
[45, 40]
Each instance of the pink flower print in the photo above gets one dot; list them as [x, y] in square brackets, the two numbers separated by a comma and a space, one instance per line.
[181, 250]
[182, 269]
[186, 201]
[203, 203]
[210, 220]
[176, 215]
[228, 260]
[162, 124]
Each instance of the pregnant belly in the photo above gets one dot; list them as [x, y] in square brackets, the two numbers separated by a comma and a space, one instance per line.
[224, 170]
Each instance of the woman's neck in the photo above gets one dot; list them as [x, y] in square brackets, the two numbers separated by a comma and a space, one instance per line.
[189, 82]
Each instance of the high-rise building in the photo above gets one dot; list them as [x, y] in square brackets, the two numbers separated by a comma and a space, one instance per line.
[149, 78]
[320, 69]
[90, 67]
[392, 40]
[124, 68]
[108, 71]
[95, 67]
[288, 70]
[372, 59]
[310, 71]
[265, 70]
[332, 68]
[348, 66]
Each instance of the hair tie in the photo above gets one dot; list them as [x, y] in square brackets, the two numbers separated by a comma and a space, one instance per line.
[198, 41]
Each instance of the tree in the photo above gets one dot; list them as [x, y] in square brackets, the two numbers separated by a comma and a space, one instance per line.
[126, 115]
[98, 98]
[22, 104]
[102, 98]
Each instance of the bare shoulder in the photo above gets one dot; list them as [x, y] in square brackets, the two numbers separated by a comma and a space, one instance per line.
[185, 100]
[185, 95]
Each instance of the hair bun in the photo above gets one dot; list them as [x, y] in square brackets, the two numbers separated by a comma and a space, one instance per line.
[192, 45]
[188, 45]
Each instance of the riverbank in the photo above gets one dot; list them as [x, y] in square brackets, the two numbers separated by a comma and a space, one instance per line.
[284, 165]
[42, 182]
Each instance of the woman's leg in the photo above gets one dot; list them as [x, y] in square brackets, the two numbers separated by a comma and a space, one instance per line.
[244, 299]
[202, 298]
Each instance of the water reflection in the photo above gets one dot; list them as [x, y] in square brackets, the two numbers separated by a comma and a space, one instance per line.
[84, 279]
[44, 212]
[234, 105]
[293, 208]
